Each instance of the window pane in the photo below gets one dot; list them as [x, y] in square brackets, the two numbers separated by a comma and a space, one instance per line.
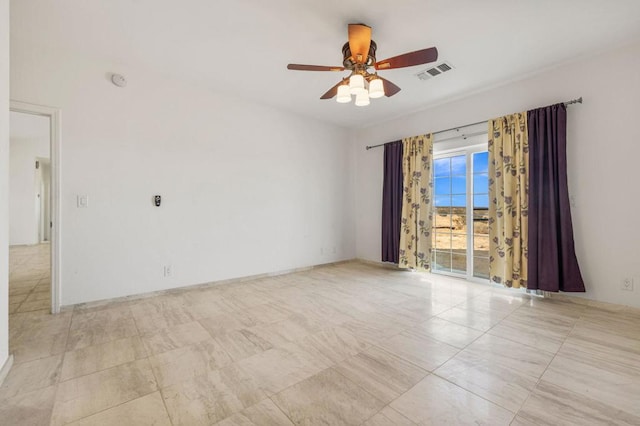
[481, 184]
[481, 267]
[459, 263]
[458, 220]
[459, 165]
[481, 200]
[442, 261]
[481, 214]
[442, 167]
[443, 241]
[459, 201]
[480, 226]
[459, 185]
[481, 162]
[481, 245]
[443, 200]
[442, 186]
[459, 242]
[442, 222]
[443, 210]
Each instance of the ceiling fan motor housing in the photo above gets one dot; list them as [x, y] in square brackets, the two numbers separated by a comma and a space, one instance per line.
[350, 63]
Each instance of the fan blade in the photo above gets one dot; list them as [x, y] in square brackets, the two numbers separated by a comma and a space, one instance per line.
[390, 89]
[359, 42]
[332, 92]
[410, 59]
[300, 67]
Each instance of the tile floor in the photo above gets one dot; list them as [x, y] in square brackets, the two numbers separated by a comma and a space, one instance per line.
[346, 344]
[29, 278]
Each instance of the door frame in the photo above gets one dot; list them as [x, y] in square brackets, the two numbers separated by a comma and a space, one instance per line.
[55, 120]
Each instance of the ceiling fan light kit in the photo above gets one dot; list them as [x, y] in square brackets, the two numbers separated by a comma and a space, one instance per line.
[356, 84]
[359, 54]
[362, 99]
[344, 94]
[376, 88]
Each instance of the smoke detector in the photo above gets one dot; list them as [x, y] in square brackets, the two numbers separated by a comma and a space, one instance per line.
[119, 80]
[435, 71]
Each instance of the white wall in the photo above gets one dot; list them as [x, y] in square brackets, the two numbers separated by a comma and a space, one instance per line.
[246, 189]
[603, 153]
[4, 181]
[23, 204]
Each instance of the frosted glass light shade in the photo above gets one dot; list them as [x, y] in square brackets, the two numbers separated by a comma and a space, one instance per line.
[356, 84]
[376, 88]
[362, 99]
[344, 94]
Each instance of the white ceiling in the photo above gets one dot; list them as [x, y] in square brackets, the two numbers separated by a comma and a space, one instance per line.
[243, 46]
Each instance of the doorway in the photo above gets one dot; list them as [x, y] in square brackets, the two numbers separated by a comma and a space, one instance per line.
[43, 198]
[33, 208]
[461, 230]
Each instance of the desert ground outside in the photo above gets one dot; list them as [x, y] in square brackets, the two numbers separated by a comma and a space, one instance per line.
[450, 240]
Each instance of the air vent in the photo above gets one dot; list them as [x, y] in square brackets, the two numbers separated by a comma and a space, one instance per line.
[435, 71]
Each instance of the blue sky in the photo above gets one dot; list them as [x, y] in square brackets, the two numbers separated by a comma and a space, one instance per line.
[450, 180]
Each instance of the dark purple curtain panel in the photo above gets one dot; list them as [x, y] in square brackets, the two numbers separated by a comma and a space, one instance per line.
[552, 261]
[392, 202]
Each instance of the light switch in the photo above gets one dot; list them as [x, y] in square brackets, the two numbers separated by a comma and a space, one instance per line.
[83, 201]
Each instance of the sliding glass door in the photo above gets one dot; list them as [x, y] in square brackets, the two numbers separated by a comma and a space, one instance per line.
[460, 226]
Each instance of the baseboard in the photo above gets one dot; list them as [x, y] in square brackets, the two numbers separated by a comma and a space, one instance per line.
[104, 302]
[4, 371]
[565, 297]
[386, 265]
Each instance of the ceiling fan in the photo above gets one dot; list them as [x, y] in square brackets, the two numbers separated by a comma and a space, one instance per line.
[359, 55]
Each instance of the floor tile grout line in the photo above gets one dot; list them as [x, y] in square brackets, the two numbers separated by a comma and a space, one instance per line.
[270, 398]
[360, 386]
[57, 378]
[474, 393]
[449, 359]
[65, 346]
[233, 361]
[114, 406]
[25, 299]
[57, 382]
[320, 372]
[389, 406]
[515, 341]
[548, 365]
[433, 373]
[158, 389]
[106, 368]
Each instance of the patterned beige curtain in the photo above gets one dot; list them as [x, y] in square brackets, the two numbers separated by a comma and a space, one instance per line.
[417, 215]
[508, 192]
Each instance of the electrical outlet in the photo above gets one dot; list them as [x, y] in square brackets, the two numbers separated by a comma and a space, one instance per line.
[168, 271]
[627, 283]
[83, 201]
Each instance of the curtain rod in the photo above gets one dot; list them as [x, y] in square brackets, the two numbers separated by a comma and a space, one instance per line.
[567, 103]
